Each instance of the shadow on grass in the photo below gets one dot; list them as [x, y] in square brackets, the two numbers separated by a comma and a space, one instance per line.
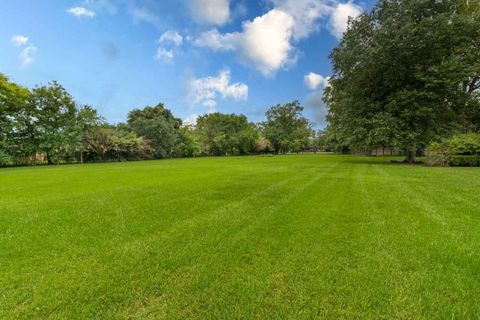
[382, 160]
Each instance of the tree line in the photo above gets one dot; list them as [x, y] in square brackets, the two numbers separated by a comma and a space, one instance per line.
[405, 75]
[45, 125]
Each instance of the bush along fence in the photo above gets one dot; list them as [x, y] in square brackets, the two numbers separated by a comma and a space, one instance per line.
[462, 150]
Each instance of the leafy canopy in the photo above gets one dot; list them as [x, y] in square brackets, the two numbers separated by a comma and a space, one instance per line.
[406, 74]
[286, 128]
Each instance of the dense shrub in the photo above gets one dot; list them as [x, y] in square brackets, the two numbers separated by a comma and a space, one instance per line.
[460, 150]
[465, 160]
[5, 159]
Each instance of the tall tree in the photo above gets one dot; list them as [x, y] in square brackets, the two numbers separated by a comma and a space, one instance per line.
[87, 119]
[158, 125]
[286, 128]
[14, 107]
[401, 73]
[56, 113]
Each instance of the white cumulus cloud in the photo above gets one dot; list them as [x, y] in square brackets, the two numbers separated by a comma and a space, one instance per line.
[164, 55]
[171, 36]
[205, 91]
[212, 12]
[27, 55]
[305, 13]
[313, 81]
[81, 12]
[216, 41]
[19, 40]
[268, 42]
[339, 19]
[264, 41]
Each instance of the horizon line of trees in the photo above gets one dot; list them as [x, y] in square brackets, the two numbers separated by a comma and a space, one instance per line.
[45, 125]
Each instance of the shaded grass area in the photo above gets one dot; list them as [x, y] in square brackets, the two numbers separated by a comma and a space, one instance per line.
[288, 237]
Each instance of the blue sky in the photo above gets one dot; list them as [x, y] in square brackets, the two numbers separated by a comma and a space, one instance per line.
[196, 56]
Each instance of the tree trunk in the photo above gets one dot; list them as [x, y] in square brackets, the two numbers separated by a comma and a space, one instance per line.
[411, 156]
[49, 160]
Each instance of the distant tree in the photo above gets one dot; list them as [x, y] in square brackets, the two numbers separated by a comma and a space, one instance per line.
[100, 141]
[13, 107]
[106, 142]
[56, 113]
[226, 134]
[286, 128]
[158, 125]
[87, 118]
[318, 141]
[188, 144]
[129, 146]
[405, 75]
[247, 138]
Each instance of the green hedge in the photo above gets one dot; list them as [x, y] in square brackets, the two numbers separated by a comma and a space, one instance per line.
[461, 150]
[465, 160]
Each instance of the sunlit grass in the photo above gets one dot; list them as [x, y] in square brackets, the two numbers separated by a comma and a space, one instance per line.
[288, 237]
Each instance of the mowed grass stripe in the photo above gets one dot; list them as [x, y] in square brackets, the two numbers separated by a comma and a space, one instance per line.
[435, 248]
[179, 226]
[299, 237]
[235, 243]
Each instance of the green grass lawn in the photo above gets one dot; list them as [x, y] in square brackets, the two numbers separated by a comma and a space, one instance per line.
[287, 237]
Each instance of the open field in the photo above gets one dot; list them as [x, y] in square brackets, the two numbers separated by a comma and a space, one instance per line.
[289, 237]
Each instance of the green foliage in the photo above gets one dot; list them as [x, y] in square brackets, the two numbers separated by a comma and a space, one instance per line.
[188, 144]
[226, 134]
[406, 74]
[465, 160]
[45, 125]
[55, 113]
[286, 128]
[109, 143]
[318, 141]
[5, 158]
[14, 111]
[158, 125]
[462, 149]
[439, 154]
[262, 145]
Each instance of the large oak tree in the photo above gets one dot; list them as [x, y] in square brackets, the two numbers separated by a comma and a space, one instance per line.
[406, 74]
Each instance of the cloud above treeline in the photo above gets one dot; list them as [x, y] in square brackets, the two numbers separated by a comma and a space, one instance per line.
[27, 55]
[269, 42]
[206, 91]
[314, 81]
